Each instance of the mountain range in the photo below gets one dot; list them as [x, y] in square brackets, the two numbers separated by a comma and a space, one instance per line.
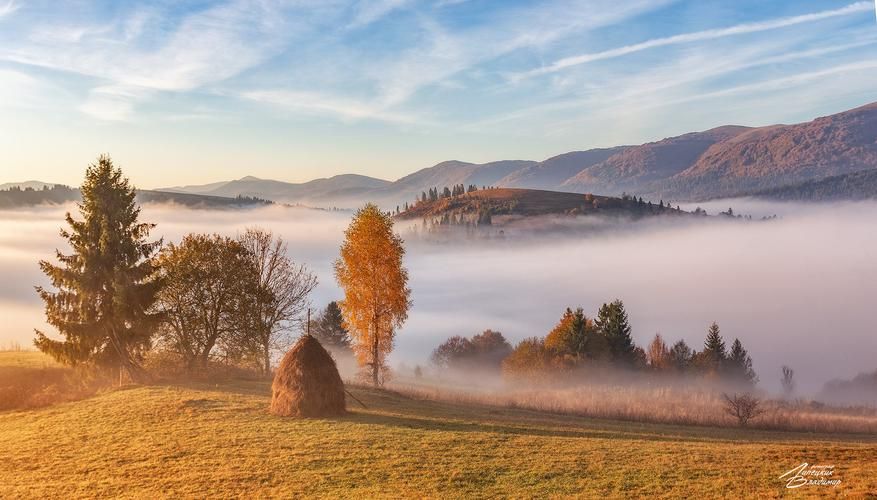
[721, 162]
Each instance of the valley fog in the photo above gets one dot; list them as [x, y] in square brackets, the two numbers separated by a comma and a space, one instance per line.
[798, 290]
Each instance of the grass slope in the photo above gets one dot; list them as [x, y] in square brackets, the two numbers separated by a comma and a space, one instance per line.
[219, 440]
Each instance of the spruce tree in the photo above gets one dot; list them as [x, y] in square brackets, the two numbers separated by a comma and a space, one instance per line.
[740, 364]
[106, 287]
[714, 348]
[613, 324]
[329, 329]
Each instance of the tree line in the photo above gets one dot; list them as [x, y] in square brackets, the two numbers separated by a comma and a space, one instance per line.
[118, 296]
[578, 341]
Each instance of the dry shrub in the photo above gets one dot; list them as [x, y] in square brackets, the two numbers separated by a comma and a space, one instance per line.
[307, 383]
[27, 387]
[167, 366]
[656, 404]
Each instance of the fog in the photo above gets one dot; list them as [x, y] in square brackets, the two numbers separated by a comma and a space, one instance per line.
[798, 290]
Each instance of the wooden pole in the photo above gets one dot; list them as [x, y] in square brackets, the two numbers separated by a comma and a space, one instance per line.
[308, 326]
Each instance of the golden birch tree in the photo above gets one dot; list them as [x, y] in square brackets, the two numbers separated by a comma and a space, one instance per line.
[376, 295]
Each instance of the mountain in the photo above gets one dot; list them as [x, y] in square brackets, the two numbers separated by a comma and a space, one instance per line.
[860, 185]
[553, 172]
[719, 162]
[638, 166]
[339, 189]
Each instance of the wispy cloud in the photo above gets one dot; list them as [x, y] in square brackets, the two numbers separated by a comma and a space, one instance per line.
[8, 8]
[369, 11]
[697, 36]
[445, 53]
[325, 104]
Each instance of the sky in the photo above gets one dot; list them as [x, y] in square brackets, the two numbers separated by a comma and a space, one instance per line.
[203, 91]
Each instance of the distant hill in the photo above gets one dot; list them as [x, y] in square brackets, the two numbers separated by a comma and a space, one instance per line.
[719, 162]
[26, 185]
[530, 202]
[860, 185]
[58, 194]
[340, 189]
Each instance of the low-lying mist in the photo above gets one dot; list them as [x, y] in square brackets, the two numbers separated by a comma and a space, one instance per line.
[798, 290]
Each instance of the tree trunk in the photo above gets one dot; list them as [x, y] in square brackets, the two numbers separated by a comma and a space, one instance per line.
[267, 361]
[375, 365]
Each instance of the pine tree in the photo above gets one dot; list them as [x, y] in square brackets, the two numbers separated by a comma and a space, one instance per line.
[106, 287]
[714, 354]
[740, 365]
[613, 324]
[329, 329]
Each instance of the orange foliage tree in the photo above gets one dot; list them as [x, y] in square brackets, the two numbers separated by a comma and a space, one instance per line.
[376, 295]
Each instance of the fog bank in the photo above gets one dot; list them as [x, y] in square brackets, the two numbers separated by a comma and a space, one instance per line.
[796, 291]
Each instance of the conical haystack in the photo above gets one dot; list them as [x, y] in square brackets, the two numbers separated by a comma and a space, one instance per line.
[307, 383]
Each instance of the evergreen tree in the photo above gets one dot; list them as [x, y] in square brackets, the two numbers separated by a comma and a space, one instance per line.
[714, 353]
[681, 356]
[613, 324]
[107, 285]
[329, 329]
[739, 365]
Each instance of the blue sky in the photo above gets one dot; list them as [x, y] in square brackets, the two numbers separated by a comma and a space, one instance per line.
[192, 92]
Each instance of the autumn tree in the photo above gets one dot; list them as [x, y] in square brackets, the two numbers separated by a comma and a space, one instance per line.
[658, 354]
[283, 287]
[106, 286]
[530, 361]
[575, 338]
[328, 328]
[375, 284]
[483, 352]
[209, 298]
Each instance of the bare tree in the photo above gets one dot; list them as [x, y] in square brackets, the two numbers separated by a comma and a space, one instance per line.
[744, 407]
[285, 287]
[788, 381]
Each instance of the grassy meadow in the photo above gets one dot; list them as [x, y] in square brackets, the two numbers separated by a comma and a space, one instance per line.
[211, 440]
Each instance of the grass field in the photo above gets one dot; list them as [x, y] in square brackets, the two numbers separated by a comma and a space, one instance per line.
[219, 441]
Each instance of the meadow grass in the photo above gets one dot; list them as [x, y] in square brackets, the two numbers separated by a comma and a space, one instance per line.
[218, 440]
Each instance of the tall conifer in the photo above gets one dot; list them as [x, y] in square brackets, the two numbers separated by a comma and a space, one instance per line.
[106, 286]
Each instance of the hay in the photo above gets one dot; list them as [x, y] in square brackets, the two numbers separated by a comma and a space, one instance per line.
[307, 383]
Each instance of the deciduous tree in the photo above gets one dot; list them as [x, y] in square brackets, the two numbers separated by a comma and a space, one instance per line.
[283, 288]
[375, 284]
[209, 297]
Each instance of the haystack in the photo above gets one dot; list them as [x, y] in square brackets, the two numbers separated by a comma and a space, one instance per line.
[307, 383]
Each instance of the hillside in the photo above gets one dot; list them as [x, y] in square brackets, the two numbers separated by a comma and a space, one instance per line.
[529, 202]
[855, 186]
[639, 166]
[218, 440]
[719, 162]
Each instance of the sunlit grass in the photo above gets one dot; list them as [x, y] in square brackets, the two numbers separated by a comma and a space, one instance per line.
[219, 440]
